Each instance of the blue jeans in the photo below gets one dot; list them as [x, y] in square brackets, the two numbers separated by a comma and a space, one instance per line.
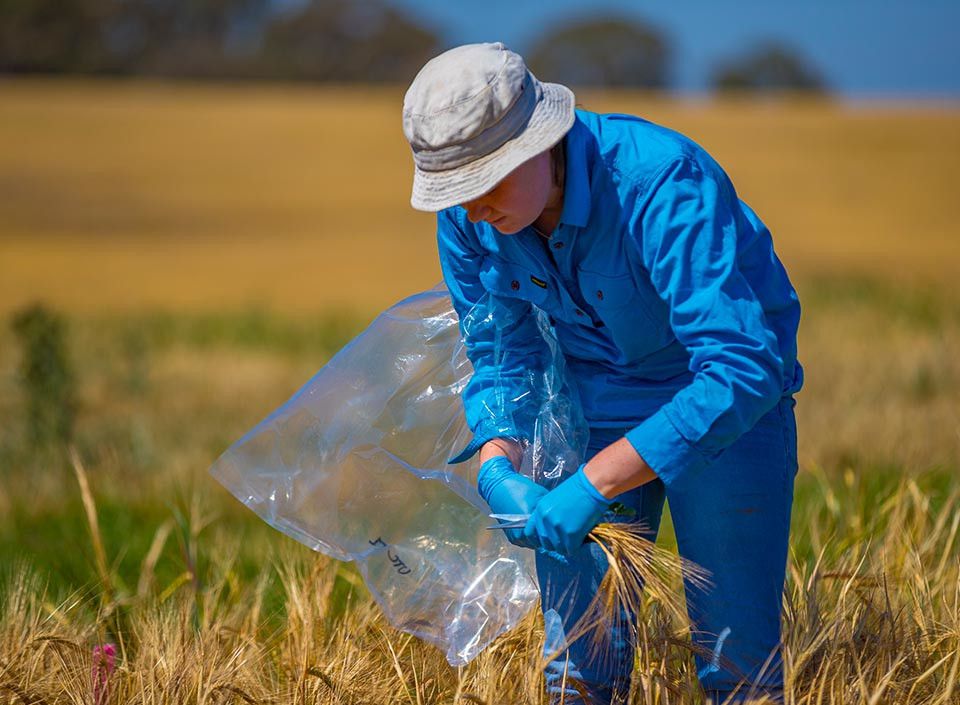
[733, 519]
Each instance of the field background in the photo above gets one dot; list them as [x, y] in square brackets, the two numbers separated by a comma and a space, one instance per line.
[211, 247]
[297, 198]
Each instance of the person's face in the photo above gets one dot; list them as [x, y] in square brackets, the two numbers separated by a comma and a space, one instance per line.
[518, 200]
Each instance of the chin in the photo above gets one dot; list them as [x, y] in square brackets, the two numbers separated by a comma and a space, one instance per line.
[507, 228]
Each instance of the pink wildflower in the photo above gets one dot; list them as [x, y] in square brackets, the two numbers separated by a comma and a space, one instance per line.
[104, 660]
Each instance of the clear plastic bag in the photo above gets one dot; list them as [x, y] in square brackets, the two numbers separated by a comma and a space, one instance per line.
[355, 466]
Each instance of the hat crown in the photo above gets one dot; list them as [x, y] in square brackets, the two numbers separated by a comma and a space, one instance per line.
[460, 94]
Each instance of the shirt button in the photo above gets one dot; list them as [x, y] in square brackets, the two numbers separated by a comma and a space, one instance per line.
[514, 285]
[600, 294]
[557, 245]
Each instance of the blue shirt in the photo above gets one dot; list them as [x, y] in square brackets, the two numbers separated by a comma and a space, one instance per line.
[674, 314]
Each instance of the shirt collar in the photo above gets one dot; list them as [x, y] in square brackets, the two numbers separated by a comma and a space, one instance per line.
[576, 187]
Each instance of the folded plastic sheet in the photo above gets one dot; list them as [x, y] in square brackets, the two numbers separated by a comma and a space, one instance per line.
[354, 465]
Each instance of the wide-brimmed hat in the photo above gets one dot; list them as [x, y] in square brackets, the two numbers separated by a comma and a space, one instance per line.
[474, 114]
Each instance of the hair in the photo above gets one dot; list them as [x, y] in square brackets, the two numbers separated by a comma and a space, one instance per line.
[558, 160]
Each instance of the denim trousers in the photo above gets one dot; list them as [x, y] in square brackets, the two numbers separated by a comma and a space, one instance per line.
[733, 519]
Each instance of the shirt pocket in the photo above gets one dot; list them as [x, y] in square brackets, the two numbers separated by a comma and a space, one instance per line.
[632, 321]
[513, 280]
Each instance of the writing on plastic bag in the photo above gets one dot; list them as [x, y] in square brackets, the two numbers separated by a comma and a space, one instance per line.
[355, 466]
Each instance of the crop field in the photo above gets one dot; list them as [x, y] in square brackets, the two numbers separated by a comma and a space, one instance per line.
[208, 248]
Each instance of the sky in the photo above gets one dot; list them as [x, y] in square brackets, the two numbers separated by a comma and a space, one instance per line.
[863, 48]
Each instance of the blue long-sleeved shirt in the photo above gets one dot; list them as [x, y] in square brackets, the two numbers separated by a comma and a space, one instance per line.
[674, 314]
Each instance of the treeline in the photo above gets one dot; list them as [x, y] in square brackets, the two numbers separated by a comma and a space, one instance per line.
[337, 40]
[324, 40]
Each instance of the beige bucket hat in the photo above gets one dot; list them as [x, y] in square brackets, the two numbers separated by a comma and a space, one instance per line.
[474, 114]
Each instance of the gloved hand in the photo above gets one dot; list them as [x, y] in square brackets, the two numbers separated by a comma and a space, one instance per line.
[563, 518]
[508, 492]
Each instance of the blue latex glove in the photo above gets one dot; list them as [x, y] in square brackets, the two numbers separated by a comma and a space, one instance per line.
[508, 492]
[562, 519]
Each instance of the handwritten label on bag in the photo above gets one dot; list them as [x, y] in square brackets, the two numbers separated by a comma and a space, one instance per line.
[395, 560]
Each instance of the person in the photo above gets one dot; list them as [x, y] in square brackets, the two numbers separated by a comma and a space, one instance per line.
[677, 322]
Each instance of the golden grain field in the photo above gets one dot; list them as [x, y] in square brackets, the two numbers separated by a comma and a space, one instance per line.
[131, 195]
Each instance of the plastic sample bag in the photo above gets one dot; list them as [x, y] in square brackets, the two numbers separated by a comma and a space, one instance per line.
[354, 465]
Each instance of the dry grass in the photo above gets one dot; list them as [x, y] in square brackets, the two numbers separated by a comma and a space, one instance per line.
[640, 573]
[876, 624]
[881, 624]
[882, 379]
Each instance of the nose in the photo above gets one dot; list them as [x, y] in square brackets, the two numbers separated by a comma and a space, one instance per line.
[476, 211]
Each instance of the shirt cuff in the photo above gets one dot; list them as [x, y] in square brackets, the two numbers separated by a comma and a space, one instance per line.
[472, 447]
[671, 456]
[485, 432]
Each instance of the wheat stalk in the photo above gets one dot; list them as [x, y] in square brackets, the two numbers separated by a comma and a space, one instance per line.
[637, 568]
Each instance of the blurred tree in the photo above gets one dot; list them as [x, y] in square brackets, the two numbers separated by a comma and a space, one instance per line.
[605, 52]
[51, 35]
[344, 40]
[768, 67]
[180, 37]
[169, 37]
[341, 40]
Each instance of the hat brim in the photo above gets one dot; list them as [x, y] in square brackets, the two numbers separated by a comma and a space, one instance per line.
[550, 121]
